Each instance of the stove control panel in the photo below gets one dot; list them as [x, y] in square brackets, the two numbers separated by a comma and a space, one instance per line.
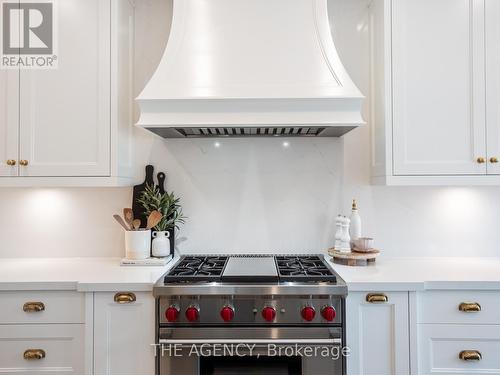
[250, 310]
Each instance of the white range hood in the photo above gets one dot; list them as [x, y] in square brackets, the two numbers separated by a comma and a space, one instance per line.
[250, 68]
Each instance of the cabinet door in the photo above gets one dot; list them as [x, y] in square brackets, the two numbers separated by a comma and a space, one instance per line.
[493, 83]
[378, 335]
[65, 112]
[438, 87]
[9, 121]
[123, 335]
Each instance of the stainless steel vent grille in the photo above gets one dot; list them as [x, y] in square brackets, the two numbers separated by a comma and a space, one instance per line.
[250, 132]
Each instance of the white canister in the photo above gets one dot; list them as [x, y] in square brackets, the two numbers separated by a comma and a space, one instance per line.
[137, 244]
[161, 244]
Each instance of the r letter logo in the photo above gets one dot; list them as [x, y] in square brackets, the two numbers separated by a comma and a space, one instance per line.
[28, 35]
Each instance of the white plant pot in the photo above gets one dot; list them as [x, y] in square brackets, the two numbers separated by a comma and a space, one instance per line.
[137, 244]
[161, 244]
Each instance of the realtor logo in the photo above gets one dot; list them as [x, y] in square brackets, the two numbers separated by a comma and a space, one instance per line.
[28, 34]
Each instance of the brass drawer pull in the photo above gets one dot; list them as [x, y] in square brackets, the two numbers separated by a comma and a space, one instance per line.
[470, 355]
[376, 298]
[33, 307]
[481, 160]
[125, 297]
[11, 162]
[494, 160]
[34, 354]
[23, 162]
[469, 307]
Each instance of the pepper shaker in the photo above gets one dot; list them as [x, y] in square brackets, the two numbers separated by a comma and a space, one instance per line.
[346, 238]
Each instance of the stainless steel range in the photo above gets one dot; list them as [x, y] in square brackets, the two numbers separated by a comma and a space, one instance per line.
[253, 314]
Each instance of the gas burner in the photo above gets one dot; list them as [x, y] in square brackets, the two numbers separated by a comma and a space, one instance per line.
[303, 268]
[197, 268]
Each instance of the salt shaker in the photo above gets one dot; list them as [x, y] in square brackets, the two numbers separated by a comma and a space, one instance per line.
[338, 233]
[346, 238]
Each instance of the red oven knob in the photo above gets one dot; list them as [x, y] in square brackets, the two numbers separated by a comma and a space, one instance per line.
[192, 314]
[308, 313]
[269, 313]
[227, 313]
[172, 314]
[328, 313]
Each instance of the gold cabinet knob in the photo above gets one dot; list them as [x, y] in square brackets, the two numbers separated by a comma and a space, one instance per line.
[33, 307]
[31, 354]
[481, 160]
[470, 355]
[23, 162]
[11, 162]
[125, 297]
[376, 298]
[493, 160]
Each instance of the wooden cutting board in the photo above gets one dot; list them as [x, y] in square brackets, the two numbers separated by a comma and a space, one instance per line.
[161, 182]
[139, 211]
[354, 258]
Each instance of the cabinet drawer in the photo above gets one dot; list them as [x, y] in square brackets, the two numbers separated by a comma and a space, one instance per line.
[444, 307]
[61, 344]
[41, 307]
[440, 347]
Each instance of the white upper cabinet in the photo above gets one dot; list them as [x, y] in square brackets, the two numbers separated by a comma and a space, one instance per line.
[72, 125]
[492, 13]
[438, 86]
[435, 75]
[65, 112]
[9, 119]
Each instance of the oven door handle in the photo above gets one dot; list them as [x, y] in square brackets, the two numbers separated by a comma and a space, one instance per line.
[333, 341]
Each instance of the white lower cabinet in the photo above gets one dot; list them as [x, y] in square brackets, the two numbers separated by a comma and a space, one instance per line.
[124, 333]
[47, 349]
[459, 349]
[458, 332]
[46, 332]
[378, 333]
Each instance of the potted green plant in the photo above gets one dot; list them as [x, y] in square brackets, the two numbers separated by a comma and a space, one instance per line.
[169, 206]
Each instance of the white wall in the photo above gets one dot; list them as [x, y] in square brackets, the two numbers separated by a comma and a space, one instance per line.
[258, 195]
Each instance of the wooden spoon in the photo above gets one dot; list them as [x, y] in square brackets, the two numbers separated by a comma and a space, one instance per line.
[153, 219]
[136, 224]
[122, 222]
[128, 215]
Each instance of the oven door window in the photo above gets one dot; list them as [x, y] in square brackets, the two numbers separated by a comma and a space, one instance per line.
[250, 365]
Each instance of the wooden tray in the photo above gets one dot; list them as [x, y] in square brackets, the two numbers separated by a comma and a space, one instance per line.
[354, 258]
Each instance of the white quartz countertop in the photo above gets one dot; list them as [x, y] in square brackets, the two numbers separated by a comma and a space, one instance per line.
[411, 274]
[82, 274]
[388, 274]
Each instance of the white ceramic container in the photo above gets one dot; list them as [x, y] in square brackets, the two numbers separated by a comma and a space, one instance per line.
[161, 244]
[137, 244]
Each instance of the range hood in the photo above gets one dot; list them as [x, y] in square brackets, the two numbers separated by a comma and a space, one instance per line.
[250, 68]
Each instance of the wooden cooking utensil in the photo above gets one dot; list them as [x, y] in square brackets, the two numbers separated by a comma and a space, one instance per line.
[136, 224]
[128, 215]
[153, 219]
[122, 222]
